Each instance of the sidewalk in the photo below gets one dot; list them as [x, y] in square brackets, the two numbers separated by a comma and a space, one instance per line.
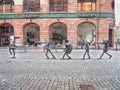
[31, 71]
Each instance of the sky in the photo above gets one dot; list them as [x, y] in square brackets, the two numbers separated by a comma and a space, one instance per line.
[117, 11]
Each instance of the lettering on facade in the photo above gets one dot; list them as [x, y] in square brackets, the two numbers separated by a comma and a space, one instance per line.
[30, 15]
[86, 15]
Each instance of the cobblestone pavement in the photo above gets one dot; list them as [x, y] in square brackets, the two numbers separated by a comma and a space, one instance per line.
[31, 71]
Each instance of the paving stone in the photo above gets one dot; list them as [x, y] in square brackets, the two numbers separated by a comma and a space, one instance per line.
[31, 71]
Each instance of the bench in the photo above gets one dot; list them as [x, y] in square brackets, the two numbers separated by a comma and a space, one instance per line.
[24, 48]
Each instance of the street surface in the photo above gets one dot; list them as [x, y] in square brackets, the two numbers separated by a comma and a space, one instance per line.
[32, 71]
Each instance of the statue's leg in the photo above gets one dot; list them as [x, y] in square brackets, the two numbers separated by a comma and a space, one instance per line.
[64, 55]
[10, 51]
[52, 54]
[110, 56]
[88, 54]
[68, 56]
[84, 55]
[47, 54]
[102, 55]
[13, 52]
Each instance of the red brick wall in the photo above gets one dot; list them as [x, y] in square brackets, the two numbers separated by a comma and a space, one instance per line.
[102, 25]
[18, 9]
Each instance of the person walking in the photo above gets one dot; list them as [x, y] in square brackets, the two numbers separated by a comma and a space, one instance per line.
[48, 50]
[68, 49]
[86, 46]
[105, 49]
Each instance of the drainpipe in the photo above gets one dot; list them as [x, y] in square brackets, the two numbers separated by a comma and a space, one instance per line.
[99, 11]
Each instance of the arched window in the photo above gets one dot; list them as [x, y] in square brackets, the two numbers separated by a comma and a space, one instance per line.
[86, 5]
[58, 32]
[58, 5]
[31, 33]
[6, 6]
[31, 6]
[6, 30]
[87, 31]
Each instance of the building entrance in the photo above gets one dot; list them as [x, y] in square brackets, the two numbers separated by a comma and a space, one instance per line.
[31, 34]
[6, 31]
[58, 32]
[87, 31]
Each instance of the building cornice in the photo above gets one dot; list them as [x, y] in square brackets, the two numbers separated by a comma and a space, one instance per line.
[58, 15]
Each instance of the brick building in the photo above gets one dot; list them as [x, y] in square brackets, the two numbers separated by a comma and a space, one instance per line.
[36, 20]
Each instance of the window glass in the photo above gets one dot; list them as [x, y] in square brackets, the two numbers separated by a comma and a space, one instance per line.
[31, 5]
[86, 5]
[93, 6]
[58, 5]
[6, 6]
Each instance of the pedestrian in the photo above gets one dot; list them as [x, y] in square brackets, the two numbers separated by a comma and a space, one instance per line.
[48, 50]
[12, 46]
[86, 46]
[105, 49]
[68, 49]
